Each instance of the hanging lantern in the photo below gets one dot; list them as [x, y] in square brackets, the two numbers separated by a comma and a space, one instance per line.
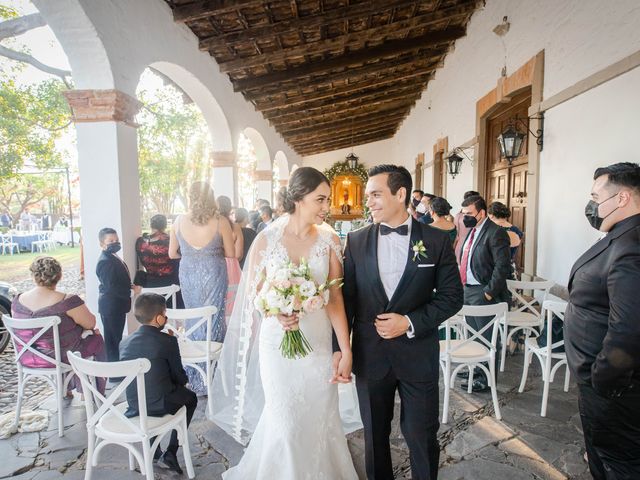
[510, 142]
[455, 161]
[352, 160]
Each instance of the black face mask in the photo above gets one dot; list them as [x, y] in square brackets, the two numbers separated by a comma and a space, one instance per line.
[591, 212]
[113, 247]
[415, 202]
[470, 221]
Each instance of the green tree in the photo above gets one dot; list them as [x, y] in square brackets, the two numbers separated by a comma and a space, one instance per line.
[32, 118]
[172, 149]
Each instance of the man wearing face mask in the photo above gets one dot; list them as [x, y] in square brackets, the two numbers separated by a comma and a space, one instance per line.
[114, 298]
[602, 325]
[485, 265]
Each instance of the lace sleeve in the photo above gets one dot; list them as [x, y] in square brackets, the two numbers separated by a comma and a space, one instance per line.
[331, 239]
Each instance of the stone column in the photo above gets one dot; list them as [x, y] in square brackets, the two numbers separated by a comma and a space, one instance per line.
[264, 184]
[108, 165]
[224, 174]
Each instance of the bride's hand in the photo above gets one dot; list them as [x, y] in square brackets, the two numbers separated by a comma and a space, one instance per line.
[342, 367]
[288, 322]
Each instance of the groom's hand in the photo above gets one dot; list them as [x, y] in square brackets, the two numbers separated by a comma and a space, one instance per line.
[391, 325]
[341, 371]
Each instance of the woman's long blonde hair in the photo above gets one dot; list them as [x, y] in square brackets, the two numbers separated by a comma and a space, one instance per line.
[202, 203]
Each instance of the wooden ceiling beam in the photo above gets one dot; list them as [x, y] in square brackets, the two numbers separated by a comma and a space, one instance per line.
[404, 98]
[390, 48]
[343, 125]
[396, 93]
[320, 19]
[350, 40]
[293, 129]
[343, 143]
[419, 77]
[208, 8]
[346, 139]
[418, 60]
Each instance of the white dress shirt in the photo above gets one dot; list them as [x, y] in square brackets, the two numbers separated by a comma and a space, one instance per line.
[471, 280]
[393, 251]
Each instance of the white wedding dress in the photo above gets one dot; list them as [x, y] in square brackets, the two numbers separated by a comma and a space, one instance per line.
[299, 434]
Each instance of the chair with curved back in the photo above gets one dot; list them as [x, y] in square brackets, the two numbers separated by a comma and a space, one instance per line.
[168, 292]
[546, 354]
[527, 317]
[58, 375]
[471, 352]
[195, 352]
[108, 425]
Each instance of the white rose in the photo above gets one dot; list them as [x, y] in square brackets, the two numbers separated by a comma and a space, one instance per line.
[307, 288]
[281, 275]
[273, 300]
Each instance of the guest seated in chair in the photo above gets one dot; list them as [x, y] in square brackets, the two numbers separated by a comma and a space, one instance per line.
[165, 381]
[77, 327]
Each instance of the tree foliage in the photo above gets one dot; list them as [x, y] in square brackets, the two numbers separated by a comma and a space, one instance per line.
[32, 118]
[173, 149]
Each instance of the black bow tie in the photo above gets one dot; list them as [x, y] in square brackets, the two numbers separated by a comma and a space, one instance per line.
[401, 230]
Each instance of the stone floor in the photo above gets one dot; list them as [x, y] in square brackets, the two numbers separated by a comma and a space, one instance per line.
[474, 445]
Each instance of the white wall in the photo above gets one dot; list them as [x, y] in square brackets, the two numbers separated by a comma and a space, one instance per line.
[369, 154]
[593, 130]
[579, 37]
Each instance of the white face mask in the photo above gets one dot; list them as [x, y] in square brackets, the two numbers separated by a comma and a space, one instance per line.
[421, 208]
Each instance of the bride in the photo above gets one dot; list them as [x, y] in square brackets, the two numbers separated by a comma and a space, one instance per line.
[288, 408]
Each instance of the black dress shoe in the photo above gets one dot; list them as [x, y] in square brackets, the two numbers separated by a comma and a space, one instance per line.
[170, 461]
[156, 455]
[478, 385]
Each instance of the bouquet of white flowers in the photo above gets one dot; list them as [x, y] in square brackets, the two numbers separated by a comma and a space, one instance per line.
[289, 289]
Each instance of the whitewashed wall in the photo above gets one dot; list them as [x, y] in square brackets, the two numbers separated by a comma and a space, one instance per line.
[579, 38]
[370, 154]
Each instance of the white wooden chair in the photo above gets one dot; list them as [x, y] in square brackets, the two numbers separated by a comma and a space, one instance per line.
[195, 352]
[168, 292]
[6, 242]
[58, 375]
[546, 355]
[107, 424]
[471, 352]
[527, 317]
[42, 244]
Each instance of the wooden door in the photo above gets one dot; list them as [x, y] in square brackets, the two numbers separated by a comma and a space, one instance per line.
[419, 165]
[438, 179]
[508, 183]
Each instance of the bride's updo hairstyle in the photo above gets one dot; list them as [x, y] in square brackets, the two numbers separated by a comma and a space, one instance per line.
[303, 181]
[202, 203]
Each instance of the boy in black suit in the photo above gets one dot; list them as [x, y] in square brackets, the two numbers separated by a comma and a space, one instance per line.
[165, 381]
[114, 299]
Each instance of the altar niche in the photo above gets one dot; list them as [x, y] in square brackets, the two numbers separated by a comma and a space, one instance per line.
[346, 197]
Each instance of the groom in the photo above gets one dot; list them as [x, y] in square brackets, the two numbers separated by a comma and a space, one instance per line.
[396, 296]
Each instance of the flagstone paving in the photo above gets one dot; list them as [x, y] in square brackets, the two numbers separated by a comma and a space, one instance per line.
[474, 445]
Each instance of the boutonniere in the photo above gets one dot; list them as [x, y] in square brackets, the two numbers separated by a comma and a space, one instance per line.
[419, 250]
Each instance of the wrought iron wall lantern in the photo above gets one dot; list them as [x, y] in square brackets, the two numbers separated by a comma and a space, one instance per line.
[454, 161]
[511, 139]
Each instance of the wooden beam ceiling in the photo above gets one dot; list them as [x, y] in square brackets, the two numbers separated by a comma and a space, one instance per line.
[387, 49]
[325, 73]
[356, 39]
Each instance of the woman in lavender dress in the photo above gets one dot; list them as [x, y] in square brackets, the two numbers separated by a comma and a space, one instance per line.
[202, 239]
[77, 324]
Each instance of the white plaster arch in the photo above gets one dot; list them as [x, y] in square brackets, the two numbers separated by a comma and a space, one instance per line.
[263, 159]
[204, 100]
[90, 65]
[294, 167]
[280, 163]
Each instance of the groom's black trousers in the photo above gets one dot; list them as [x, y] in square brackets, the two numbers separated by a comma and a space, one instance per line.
[419, 410]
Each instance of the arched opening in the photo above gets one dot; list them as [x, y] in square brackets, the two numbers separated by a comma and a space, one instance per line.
[174, 145]
[280, 171]
[254, 168]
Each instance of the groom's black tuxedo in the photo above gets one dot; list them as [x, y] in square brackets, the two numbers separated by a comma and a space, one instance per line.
[429, 292]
